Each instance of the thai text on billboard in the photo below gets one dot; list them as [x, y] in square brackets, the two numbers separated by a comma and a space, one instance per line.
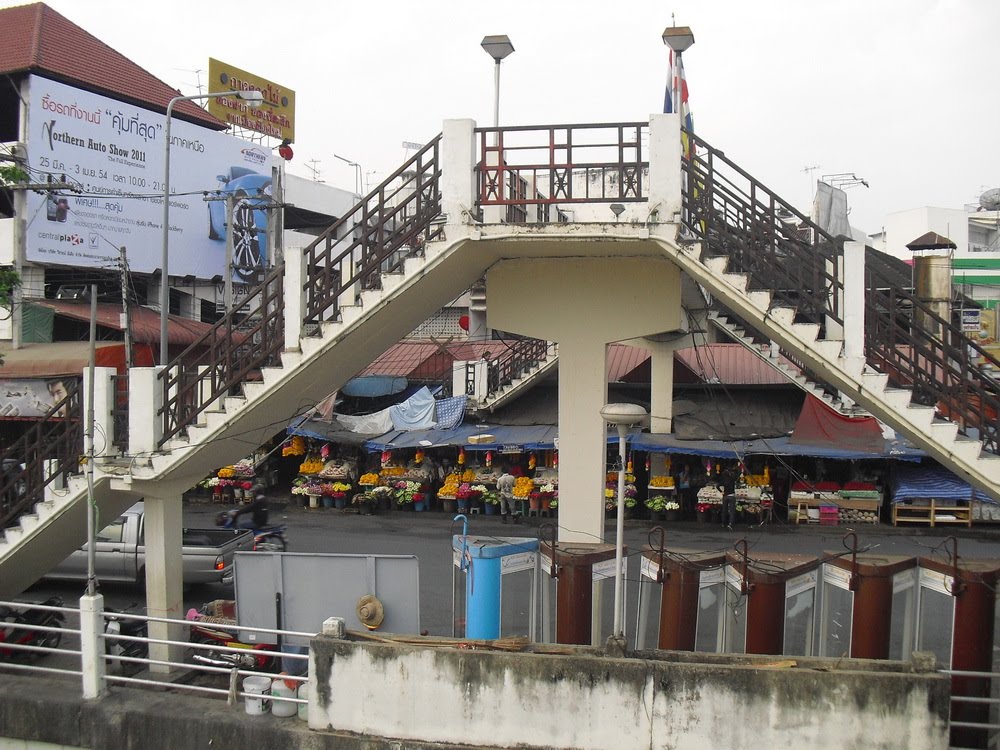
[114, 153]
[275, 117]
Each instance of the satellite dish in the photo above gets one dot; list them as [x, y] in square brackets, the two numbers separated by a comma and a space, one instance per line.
[990, 200]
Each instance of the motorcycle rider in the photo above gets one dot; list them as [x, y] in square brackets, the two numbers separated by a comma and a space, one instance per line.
[257, 510]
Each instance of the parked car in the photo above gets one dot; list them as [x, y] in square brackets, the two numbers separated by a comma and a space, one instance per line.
[252, 192]
[121, 552]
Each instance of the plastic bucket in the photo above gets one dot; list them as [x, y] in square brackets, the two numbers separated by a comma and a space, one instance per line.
[304, 695]
[281, 689]
[256, 686]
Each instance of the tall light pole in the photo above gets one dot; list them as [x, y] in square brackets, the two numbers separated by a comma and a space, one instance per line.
[357, 172]
[621, 416]
[498, 47]
[252, 97]
[678, 38]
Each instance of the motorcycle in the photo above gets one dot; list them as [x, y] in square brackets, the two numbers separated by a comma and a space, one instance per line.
[23, 628]
[265, 538]
[119, 624]
[205, 630]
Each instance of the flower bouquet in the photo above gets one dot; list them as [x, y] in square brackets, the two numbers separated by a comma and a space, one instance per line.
[611, 499]
[370, 479]
[657, 503]
[405, 491]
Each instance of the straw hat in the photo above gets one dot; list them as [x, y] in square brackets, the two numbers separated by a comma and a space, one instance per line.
[370, 611]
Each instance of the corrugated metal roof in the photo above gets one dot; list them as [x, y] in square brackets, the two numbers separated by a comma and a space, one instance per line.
[430, 360]
[729, 364]
[145, 322]
[39, 40]
[622, 360]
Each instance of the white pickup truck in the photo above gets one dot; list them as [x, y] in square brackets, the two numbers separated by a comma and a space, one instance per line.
[121, 552]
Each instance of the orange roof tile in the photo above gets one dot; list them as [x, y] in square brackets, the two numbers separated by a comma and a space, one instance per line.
[39, 40]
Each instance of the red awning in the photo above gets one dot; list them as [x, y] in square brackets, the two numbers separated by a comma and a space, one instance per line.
[820, 425]
[145, 322]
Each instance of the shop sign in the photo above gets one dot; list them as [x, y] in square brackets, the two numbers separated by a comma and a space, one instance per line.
[648, 569]
[275, 117]
[971, 322]
[509, 449]
[837, 577]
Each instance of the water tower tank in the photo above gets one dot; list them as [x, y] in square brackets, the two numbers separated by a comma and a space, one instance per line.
[990, 200]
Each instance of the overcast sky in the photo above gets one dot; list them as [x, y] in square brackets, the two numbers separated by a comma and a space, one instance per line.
[900, 92]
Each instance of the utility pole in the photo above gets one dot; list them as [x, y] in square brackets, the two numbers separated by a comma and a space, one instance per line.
[126, 319]
[227, 296]
[89, 451]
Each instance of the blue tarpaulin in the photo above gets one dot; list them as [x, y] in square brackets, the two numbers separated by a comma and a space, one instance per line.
[927, 482]
[529, 437]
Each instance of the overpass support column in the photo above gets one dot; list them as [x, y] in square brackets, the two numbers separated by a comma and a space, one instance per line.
[164, 577]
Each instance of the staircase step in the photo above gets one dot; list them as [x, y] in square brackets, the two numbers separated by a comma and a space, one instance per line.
[968, 449]
[944, 432]
[806, 332]
[829, 348]
[782, 315]
[897, 398]
[760, 300]
[717, 264]
[874, 382]
[737, 280]
[921, 416]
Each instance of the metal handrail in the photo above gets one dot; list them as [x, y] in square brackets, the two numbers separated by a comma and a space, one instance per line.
[735, 216]
[503, 180]
[56, 437]
[247, 338]
[390, 224]
[119, 412]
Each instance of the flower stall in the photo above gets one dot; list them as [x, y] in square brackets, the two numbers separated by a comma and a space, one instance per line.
[611, 491]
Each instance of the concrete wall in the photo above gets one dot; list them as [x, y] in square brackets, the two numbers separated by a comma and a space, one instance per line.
[585, 700]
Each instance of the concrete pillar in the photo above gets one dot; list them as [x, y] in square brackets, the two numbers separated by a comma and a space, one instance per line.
[104, 399]
[854, 306]
[583, 303]
[661, 392]
[92, 661]
[295, 298]
[665, 167]
[163, 526]
[145, 399]
[458, 173]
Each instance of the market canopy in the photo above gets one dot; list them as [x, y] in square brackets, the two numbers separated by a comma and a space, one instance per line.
[491, 437]
[779, 446]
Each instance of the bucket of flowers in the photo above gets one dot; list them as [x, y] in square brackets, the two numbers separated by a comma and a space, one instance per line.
[339, 492]
[405, 491]
[702, 511]
[382, 497]
[672, 510]
[310, 493]
[491, 500]
[656, 505]
[466, 495]
[611, 500]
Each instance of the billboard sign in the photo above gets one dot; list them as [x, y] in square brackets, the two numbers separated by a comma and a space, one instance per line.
[276, 117]
[114, 152]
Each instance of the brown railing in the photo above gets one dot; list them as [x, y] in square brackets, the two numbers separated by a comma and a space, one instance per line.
[783, 251]
[757, 230]
[247, 338]
[392, 223]
[56, 437]
[521, 356]
[521, 166]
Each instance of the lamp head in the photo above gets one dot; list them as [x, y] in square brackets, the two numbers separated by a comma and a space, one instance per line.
[678, 38]
[497, 46]
[623, 414]
[251, 96]
[617, 209]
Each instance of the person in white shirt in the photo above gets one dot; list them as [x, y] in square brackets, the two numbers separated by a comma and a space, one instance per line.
[505, 486]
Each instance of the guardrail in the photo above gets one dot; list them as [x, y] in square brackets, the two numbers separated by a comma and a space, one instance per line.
[125, 648]
[975, 721]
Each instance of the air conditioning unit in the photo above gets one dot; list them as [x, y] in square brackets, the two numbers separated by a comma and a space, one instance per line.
[73, 291]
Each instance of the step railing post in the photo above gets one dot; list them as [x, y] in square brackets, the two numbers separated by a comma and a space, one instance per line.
[665, 171]
[92, 664]
[295, 296]
[853, 306]
[104, 399]
[458, 154]
[145, 423]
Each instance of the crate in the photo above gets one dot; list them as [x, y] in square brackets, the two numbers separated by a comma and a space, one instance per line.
[829, 515]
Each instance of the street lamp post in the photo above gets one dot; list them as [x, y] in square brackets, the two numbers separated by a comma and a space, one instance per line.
[621, 416]
[357, 172]
[251, 97]
[498, 47]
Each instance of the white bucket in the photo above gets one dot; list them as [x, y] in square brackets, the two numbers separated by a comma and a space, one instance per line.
[303, 707]
[279, 689]
[258, 686]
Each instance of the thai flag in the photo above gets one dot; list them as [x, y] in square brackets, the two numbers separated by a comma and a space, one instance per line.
[677, 80]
